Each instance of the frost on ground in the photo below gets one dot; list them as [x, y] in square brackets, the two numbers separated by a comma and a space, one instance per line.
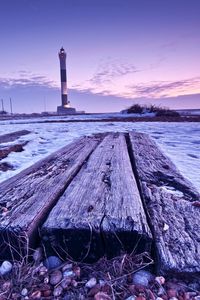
[180, 141]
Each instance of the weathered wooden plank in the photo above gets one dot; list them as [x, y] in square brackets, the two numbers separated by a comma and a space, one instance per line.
[170, 200]
[30, 195]
[101, 211]
[9, 137]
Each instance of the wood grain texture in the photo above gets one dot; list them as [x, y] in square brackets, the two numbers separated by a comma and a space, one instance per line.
[30, 195]
[101, 210]
[169, 200]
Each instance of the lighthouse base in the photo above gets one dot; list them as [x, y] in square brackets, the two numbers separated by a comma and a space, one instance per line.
[66, 110]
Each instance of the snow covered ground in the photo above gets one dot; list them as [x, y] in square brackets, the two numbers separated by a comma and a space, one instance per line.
[180, 141]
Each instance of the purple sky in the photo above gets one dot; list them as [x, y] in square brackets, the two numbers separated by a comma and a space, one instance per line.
[119, 52]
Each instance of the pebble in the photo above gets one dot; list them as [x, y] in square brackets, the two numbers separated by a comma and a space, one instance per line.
[24, 292]
[93, 291]
[142, 277]
[6, 286]
[160, 280]
[173, 298]
[101, 296]
[68, 273]
[91, 283]
[74, 283]
[36, 295]
[65, 283]
[77, 271]
[159, 298]
[52, 262]
[37, 255]
[42, 270]
[67, 267]
[172, 293]
[161, 291]
[58, 291]
[55, 277]
[131, 298]
[47, 293]
[5, 268]
[197, 298]
[140, 298]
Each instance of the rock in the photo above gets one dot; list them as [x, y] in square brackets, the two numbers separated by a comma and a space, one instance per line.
[142, 278]
[77, 271]
[160, 280]
[159, 298]
[91, 283]
[74, 283]
[47, 293]
[42, 270]
[93, 291]
[150, 295]
[36, 295]
[37, 255]
[6, 286]
[173, 298]
[67, 267]
[197, 298]
[131, 298]
[171, 293]
[52, 262]
[58, 291]
[65, 283]
[5, 268]
[55, 277]
[24, 292]
[101, 296]
[46, 279]
[68, 273]
[140, 298]
[161, 291]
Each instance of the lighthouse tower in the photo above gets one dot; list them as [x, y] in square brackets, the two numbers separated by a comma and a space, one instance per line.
[65, 104]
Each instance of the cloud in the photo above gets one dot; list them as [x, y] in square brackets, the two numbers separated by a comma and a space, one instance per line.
[164, 88]
[111, 69]
[30, 81]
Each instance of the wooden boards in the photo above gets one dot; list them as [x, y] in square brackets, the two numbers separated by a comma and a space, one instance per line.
[26, 198]
[170, 202]
[101, 212]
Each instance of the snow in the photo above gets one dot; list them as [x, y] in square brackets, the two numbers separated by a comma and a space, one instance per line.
[180, 141]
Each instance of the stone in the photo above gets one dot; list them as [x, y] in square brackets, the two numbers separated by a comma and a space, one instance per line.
[58, 291]
[67, 267]
[42, 270]
[93, 291]
[24, 292]
[74, 283]
[77, 271]
[68, 273]
[52, 262]
[6, 286]
[142, 278]
[5, 268]
[161, 291]
[36, 295]
[131, 298]
[65, 283]
[37, 255]
[91, 283]
[101, 296]
[160, 280]
[47, 293]
[55, 277]
[171, 293]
